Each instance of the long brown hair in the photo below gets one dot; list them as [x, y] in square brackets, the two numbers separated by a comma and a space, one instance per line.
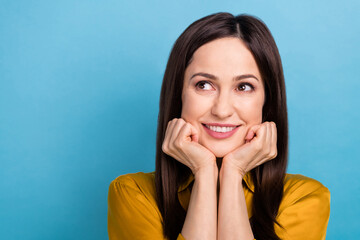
[268, 178]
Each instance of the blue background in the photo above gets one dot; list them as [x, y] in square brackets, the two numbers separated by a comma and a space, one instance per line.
[79, 91]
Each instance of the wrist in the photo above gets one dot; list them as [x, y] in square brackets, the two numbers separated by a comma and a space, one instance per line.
[208, 170]
[230, 169]
[230, 177]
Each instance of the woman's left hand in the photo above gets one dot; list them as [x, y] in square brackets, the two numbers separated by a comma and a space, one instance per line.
[260, 146]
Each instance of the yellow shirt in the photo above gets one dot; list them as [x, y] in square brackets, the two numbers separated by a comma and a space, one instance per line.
[133, 212]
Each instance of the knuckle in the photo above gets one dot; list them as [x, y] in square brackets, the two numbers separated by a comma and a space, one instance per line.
[268, 152]
[178, 143]
[273, 154]
[269, 149]
[257, 147]
[164, 148]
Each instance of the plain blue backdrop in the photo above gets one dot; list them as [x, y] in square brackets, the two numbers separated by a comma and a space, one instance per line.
[79, 91]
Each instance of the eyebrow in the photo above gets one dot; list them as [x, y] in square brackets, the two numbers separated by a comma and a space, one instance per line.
[213, 77]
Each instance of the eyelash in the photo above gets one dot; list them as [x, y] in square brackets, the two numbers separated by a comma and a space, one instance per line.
[241, 84]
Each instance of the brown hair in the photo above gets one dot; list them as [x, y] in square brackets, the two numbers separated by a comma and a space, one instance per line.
[268, 178]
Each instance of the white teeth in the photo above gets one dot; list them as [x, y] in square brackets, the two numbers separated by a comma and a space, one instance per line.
[220, 129]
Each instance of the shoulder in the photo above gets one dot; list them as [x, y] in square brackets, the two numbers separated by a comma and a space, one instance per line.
[139, 180]
[304, 210]
[132, 209]
[135, 184]
[299, 188]
[299, 185]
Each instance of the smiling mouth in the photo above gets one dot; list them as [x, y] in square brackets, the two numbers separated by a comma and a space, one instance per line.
[220, 132]
[219, 129]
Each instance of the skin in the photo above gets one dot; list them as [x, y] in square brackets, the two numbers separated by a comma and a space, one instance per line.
[220, 163]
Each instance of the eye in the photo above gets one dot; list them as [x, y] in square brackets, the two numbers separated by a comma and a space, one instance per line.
[245, 87]
[203, 85]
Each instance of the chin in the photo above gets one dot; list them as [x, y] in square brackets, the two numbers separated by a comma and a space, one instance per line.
[221, 152]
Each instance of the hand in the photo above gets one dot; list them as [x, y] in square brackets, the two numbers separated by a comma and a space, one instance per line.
[260, 146]
[181, 143]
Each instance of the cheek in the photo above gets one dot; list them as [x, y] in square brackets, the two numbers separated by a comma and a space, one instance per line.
[257, 107]
[256, 114]
[251, 111]
[192, 107]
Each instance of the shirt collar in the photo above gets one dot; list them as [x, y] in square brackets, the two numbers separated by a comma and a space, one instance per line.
[247, 179]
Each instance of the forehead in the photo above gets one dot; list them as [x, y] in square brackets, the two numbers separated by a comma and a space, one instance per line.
[224, 57]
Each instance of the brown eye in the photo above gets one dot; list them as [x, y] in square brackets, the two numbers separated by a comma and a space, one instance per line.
[245, 87]
[203, 85]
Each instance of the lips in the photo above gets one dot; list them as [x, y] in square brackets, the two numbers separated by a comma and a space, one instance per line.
[221, 125]
[220, 131]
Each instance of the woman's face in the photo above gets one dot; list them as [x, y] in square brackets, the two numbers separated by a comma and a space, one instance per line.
[222, 86]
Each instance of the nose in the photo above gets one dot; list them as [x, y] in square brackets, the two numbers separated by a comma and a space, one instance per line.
[222, 107]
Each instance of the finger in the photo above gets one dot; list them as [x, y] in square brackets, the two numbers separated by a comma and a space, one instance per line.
[268, 137]
[189, 133]
[251, 134]
[271, 140]
[176, 129]
[169, 129]
[260, 131]
[260, 138]
[274, 138]
[268, 145]
[168, 133]
[274, 134]
[183, 134]
[255, 128]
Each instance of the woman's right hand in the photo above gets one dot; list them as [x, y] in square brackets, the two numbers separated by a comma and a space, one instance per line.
[181, 143]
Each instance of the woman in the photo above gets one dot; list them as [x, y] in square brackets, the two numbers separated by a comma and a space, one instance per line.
[222, 146]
